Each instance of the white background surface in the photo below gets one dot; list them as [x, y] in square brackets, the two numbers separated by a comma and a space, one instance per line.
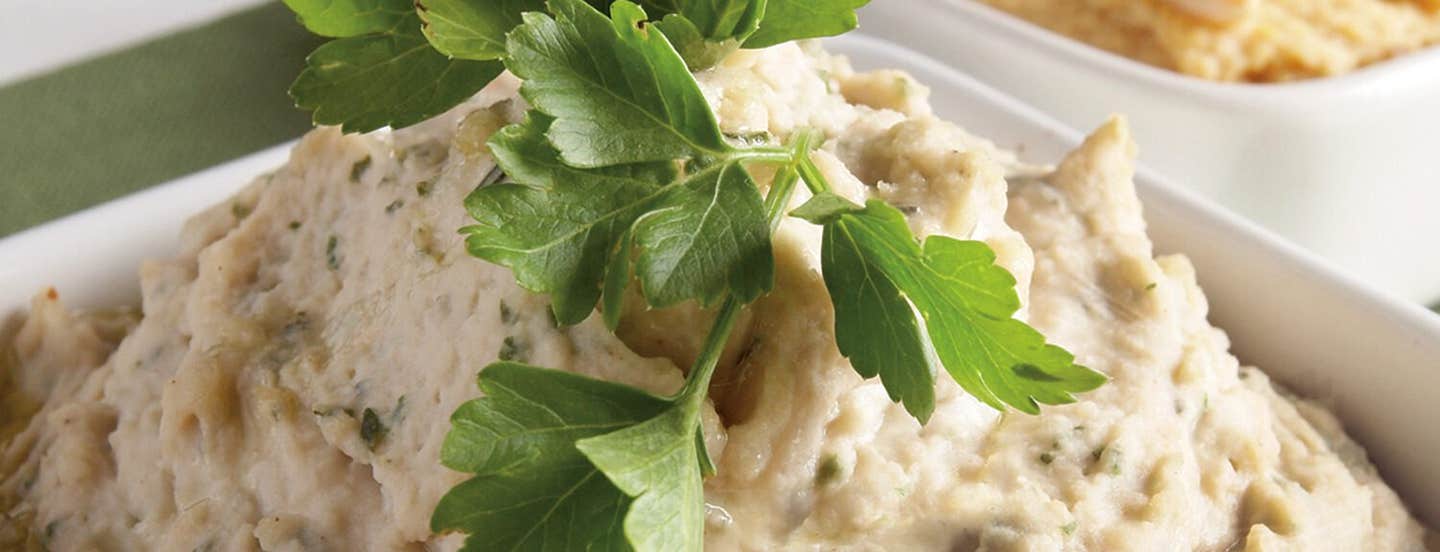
[40, 35]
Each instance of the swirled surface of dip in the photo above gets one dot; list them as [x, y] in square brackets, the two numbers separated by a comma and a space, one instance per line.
[290, 382]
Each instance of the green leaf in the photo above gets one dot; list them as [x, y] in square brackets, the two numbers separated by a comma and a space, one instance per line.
[662, 461]
[825, 207]
[528, 410]
[966, 301]
[699, 52]
[618, 91]
[875, 326]
[707, 466]
[657, 463]
[617, 278]
[705, 238]
[470, 29]
[713, 19]
[392, 78]
[787, 20]
[532, 489]
[704, 32]
[342, 18]
[558, 227]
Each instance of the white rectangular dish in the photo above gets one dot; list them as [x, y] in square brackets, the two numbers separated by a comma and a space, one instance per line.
[1348, 166]
[1376, 359]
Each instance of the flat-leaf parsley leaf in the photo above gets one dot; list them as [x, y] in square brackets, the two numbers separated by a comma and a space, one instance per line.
[787, 20]
[879, 277]
[531, 488]
[470, 29]
[560, 228]
[390, 78]
[342, 18]
[618, 91]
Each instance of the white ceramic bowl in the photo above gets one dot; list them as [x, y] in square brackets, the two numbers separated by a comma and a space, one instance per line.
[1376, 359]
[1347, 166]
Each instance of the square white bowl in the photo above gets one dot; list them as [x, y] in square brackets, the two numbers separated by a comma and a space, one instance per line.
[1374, 358]
[1347, 166]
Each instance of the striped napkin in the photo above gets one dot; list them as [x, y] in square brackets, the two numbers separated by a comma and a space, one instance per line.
[106, 127]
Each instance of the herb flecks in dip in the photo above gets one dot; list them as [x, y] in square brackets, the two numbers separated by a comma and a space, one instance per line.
[290, 385]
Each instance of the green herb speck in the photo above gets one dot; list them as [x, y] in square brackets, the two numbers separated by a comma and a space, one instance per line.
[902, 85]
[331, 411]
[828, 470]
[371, 430]
[1112, 454]
[295, 326]
[397, 415]
[1069, 528]
[513, 349]
[1151, 286]
[240, 210]
[1046, 458]
[423, 188]
[825, 77]
[294, 225]
[357, 171]
[507, 315]
[331, 260]
[394, 205]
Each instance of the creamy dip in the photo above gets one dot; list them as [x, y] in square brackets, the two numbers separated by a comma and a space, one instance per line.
[1243, 40]
[289, 384]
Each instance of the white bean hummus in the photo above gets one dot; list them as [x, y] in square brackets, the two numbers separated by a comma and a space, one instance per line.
[289, 383]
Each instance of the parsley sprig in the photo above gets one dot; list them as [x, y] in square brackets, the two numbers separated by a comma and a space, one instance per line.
[379, 70]
[620, 174]
[879, 276]
[398, 62]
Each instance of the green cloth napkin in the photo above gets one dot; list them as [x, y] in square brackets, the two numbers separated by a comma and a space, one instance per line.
[122, 122]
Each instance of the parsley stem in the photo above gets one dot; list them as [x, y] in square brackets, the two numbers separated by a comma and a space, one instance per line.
[805, 142]
[763, 155]
[814, 180]
[697, 385]
[778, 198]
